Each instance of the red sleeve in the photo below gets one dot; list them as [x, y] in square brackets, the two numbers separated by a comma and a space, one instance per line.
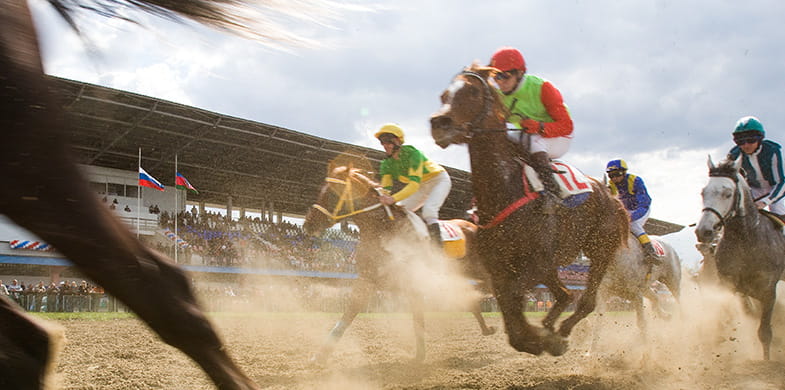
[554, 105]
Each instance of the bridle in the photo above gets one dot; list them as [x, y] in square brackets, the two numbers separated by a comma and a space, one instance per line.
[737, 199]
[346, 201]
[472, 128]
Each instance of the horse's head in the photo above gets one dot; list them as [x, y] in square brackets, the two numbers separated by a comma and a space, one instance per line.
[724, 196]
[468, 104]
[345, 192]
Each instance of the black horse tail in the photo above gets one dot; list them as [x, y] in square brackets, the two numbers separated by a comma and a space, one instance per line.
[237, 16]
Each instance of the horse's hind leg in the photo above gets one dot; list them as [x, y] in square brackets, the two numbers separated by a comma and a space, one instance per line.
[52, 199]
[476, 309]
[588, 300]
[563, 299]
[764, 329]
[358, 299]
[418, 316]
[27, 349]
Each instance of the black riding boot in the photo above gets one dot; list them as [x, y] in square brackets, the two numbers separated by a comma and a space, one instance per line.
[542, 165]
[652, 257]
[436, 234]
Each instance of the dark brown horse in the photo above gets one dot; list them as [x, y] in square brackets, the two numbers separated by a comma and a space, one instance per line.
[750, 256]
[348, 193]
[47, 195]
[522, 250]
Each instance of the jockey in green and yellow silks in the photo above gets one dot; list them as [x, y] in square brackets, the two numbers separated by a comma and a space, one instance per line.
[427, 183]
[632, 193]
[537, 112]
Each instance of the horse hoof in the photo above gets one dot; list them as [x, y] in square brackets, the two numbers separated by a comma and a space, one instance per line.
[555, 344]
[489, 331]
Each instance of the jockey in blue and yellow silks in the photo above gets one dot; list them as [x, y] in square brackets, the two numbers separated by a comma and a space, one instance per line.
[631, 191]
[537, 112]
[427, 183]
[762, 163]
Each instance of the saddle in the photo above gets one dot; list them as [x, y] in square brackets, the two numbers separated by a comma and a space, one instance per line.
[776, 219]
[453, 239]
[573, 184]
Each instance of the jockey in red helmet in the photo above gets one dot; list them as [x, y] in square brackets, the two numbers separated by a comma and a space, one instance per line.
[537, 112]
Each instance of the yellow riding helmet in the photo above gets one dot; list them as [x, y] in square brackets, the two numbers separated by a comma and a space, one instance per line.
[390, 128]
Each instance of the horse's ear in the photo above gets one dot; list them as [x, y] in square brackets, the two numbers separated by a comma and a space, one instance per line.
[710, 163]
[330, 167]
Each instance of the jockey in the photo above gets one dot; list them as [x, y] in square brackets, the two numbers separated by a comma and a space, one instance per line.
[537, 112]
[427, 183]
[762, 163]
[632, 192]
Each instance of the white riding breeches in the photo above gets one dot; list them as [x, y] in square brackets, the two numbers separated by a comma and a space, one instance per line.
[430, 197]
[777, 207]
[555, 146]
[636, 226]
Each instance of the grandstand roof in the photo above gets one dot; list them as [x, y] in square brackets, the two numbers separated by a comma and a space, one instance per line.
[223, 156]
[254, 163]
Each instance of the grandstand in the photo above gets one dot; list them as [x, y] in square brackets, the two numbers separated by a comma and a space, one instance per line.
[237, 165]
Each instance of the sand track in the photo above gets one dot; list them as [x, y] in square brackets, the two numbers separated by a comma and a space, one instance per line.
[375, 354]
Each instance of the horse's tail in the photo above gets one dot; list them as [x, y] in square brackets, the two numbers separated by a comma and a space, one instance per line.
[239, 16]
[621, 220]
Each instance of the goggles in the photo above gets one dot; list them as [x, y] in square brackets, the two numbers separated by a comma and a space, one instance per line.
[617, 173]
[747, 140]
[501, 76]
[386, 138]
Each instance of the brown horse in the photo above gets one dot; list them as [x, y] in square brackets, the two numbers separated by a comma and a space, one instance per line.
[48, 196]
[378, 266]
[520, 249]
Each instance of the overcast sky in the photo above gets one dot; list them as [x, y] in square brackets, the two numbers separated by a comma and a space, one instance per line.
[658, 83]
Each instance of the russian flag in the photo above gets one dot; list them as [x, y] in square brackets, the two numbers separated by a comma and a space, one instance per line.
[148, 181]
[180, 182]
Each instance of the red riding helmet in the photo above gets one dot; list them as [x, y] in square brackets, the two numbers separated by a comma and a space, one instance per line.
[508, 58]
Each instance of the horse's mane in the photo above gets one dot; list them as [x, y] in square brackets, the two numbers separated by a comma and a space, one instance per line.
[248, 18]
[488, 72]
[726, 168]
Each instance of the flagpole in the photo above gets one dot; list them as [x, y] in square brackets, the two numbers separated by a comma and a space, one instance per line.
[139, 192]
[176, 209]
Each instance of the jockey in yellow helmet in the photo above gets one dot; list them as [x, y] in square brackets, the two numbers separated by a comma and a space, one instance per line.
[427, 183]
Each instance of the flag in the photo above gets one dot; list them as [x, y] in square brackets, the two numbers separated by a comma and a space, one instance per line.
[148, 181]
[181, 183]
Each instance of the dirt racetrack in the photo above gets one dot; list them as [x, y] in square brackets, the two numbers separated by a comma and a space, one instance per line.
[274, 349]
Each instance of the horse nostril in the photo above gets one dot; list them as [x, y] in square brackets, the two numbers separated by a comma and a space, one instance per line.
[440, 121]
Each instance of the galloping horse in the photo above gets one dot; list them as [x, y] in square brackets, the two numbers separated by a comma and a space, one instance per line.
[630, 277]
[48, 196]
[512, 243]
[347, 188]
[750, 256]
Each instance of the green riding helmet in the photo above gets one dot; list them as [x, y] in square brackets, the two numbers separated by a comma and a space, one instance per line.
[749, 125]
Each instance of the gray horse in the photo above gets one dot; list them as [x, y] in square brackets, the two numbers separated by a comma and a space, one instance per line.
[750, 256]
[631, 278]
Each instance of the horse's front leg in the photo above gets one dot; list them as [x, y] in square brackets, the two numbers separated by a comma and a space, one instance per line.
[418, 316]
[358, 299]
[521, 335]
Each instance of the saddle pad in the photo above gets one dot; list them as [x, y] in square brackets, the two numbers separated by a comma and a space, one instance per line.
[570, 179]
[449, 231]
[658, 247]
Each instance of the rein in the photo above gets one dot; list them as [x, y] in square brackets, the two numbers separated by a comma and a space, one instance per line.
[346, 199]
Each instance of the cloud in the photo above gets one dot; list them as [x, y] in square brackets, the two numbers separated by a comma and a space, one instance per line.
[660, 83]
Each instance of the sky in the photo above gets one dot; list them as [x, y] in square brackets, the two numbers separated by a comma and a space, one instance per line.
[657, 83]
